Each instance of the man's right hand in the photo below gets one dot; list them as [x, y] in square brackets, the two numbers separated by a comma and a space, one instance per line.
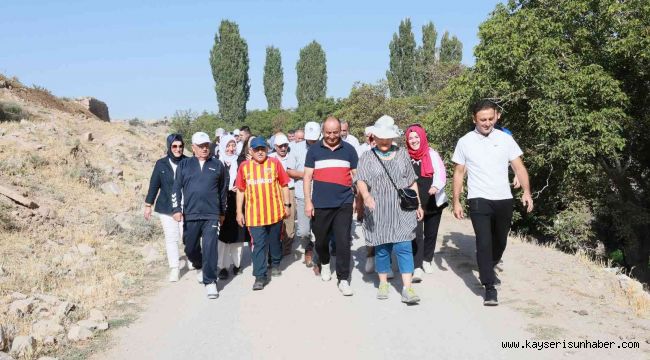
[240, 219]
[459, 213]
[309, 209]
[178, 216]
[147, 212]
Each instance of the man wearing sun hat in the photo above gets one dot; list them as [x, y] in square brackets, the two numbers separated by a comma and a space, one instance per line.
[202, 182]
[263, 183]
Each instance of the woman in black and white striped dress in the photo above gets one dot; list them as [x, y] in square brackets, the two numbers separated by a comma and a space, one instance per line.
[386, 226]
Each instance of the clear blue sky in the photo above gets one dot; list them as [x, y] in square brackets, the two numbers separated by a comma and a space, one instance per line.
[148, 58]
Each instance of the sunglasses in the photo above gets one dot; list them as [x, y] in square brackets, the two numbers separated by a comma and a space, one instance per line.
[260, 148]
[177, 146]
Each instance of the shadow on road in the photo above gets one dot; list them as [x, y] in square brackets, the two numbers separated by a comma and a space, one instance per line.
[458, 250]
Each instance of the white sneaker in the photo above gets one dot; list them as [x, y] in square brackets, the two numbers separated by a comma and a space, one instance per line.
[325, 272]
[199, 275]
[417, 275]
[212, 291]
[173, 274]
[390, 274]
[427, 267]
[370, 265]
[189, 265]
[344, 287]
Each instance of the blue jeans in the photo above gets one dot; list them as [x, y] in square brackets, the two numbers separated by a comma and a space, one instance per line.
[263, 239]
[403, 252]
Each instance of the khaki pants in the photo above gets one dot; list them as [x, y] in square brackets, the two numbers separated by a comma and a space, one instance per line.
[289, 226]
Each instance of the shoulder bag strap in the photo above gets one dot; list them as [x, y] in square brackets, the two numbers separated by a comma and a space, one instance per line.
[386, 170]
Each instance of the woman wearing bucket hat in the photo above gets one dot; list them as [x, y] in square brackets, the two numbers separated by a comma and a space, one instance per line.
[387, 226]
[430, 169]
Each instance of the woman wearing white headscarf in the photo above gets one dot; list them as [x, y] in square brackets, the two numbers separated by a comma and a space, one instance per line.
[230, 243]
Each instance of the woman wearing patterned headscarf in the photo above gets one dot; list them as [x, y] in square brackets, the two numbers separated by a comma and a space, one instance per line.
[160, 191]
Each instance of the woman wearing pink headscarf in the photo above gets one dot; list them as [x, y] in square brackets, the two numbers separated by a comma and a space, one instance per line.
[431, 182]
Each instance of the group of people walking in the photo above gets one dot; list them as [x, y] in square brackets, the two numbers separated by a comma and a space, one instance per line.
[241, 188]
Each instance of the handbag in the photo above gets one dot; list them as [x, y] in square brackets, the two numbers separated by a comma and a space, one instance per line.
[408, 198]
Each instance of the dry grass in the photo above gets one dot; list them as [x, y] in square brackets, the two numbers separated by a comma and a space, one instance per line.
[38, 253]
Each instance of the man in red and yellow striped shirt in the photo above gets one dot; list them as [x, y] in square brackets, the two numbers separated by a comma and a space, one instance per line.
[263, 183]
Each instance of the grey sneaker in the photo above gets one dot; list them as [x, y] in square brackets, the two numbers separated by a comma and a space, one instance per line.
[382, 291]
[211, 289]
[409, 296]
[490, 296]
[417, 275]
[275, 272]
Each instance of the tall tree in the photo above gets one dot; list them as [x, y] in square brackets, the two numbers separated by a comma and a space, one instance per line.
[312, 75]
[426, 57]
[451, 49]
[402, 77]
[273, 78]
[229, 62]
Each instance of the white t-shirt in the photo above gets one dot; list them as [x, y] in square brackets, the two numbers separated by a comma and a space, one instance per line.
[486, 159]
[285, 160]
[352, 140]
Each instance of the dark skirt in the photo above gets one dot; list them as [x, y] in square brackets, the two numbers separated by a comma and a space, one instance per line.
[230, 231]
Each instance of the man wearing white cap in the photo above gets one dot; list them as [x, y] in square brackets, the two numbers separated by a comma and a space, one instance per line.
[296, 170]
[202, 182]
[281, 145]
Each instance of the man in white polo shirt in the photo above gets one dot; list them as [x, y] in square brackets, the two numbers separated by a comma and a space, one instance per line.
[485, 154]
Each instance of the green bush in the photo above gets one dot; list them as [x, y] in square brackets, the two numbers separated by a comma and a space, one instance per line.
[10, 111]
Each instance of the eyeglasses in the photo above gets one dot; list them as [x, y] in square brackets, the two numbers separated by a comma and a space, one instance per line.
[203, 146]
[283, 145]
[177, 146]
[257, 149]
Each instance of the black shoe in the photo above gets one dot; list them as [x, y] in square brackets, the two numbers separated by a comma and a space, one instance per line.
[275, 272]
[223, 274]
[490, 296]
[259, 284]
[236, 270]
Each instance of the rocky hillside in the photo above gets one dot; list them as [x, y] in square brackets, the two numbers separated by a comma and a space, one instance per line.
[74, 246]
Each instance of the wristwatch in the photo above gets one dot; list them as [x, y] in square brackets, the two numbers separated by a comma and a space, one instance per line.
[287, 205]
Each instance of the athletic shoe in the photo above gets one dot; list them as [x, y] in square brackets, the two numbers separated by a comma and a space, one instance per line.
[223, 274]
[173, 274]
[212, 291]
[344, 287]
[409, 296]
[383, 290]
[370, 265]
[309, 256]
[199, 276]
[427, 266]
[325, 272]
[189, 265]
[417, 275]
[390, 274]
[237, 270]
[275, 272]
[490, 296]
[259, 284]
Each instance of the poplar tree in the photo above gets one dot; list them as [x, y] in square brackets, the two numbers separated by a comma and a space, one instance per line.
[312, 75]
[273, 78]
[402, 77]
[229, 63]
[426, 57]
[451, 49]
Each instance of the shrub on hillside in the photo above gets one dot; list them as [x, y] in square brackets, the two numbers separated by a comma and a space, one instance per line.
[10, 111]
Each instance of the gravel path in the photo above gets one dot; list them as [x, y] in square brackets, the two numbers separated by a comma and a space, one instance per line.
[297, 316]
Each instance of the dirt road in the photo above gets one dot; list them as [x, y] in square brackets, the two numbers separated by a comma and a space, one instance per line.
[298, 316]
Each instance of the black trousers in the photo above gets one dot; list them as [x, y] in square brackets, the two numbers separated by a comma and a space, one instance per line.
[426, 234]
[491, 220]
[202, 256]
[336, 221]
